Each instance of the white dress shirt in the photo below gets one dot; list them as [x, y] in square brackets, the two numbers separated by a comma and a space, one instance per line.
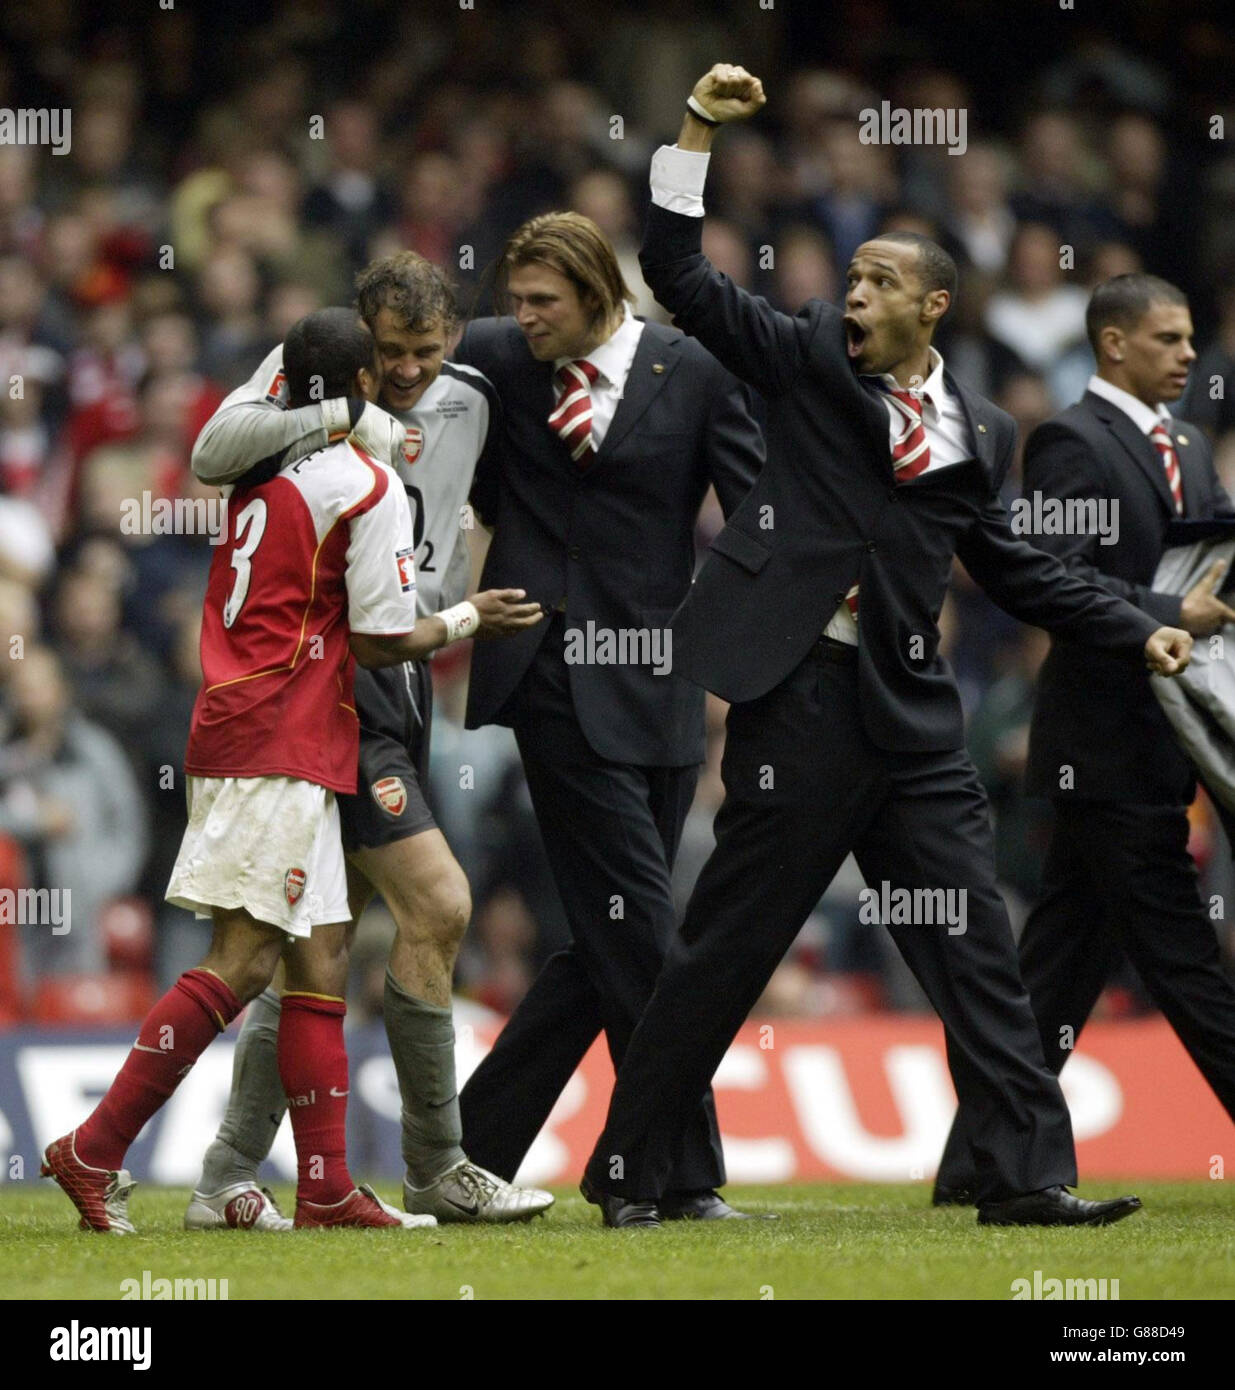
[677, 180]
[613, 360]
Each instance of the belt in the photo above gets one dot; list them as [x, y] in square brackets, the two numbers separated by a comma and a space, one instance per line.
[829, 649]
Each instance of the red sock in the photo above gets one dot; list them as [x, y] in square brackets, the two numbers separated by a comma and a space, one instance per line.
[313, 1069]
[173, 1036]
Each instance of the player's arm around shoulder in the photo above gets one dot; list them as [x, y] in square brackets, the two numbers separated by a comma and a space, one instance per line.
[254, 427]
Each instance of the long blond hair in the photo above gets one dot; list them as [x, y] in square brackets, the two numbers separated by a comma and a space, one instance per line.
[575, 247]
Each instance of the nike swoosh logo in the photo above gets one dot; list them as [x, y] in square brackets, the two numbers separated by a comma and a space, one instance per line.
[334, 1091]
[429, 1105]
[141, 1047]
[472, 1210]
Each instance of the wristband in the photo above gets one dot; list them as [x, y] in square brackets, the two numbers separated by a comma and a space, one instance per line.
[461, 621]
[337, 418]
[699, 112]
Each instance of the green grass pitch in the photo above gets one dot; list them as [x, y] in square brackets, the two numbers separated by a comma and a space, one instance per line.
[832, 1241]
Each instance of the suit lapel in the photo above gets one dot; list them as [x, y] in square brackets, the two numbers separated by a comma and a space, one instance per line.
[1192, 475]
[875, 411]
[981, 424]
[654, 363]
[1136, 445]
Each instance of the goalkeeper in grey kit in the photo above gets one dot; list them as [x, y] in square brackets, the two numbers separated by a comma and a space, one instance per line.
[438, 419]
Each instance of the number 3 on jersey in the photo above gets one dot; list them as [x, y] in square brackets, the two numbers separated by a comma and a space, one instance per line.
[250, 528]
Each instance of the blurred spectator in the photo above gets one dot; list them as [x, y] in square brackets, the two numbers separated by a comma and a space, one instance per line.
[980, 218]
[234, 341]
[351, 200]
[69, 797]
[804, 269]
[1039, 315]
[727, 249]
[1025, 397]
[1210, 398]
[114, 682]
[604, 196]
[1058, 180]
[431, 208]
[973, 354]
[859, 187]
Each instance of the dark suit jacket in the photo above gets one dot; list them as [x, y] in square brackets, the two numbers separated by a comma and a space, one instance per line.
[825, 512]
[614, 541]
[1094, 713]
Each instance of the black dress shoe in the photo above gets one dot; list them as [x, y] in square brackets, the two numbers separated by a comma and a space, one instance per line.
[1055, 1206]
[945, 1196]
[706, 1206]
[618, 1211]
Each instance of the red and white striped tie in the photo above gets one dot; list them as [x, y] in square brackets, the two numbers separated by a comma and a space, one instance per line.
[1162, 441]
[911, 454]
[572, 415]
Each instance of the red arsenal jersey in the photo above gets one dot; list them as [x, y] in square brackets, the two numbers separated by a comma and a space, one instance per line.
[322, 550]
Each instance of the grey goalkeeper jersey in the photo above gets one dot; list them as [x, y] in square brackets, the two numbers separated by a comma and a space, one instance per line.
[454, 422]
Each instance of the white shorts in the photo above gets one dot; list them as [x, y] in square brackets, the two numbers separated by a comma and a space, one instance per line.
[271, 845]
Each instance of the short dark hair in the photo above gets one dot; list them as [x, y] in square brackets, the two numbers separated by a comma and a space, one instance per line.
[936, 269]
[1124, 300]
[322, 354]
[415, 290]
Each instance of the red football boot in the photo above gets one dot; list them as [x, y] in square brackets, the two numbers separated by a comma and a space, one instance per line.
[361, 1207]
[100, 1194]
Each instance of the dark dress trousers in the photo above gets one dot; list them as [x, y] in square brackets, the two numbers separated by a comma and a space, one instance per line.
[1118, 879]
[828, 751]
[610, 751]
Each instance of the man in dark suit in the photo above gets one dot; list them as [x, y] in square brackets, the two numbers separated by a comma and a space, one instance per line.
[815, 616]
[614, 429]
[1118, 879]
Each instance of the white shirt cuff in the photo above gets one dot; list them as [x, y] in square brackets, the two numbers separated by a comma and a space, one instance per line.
[677, 180]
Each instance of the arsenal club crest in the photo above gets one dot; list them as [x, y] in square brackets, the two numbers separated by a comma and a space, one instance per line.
[390, 794]
[413, 444]
[294, 881]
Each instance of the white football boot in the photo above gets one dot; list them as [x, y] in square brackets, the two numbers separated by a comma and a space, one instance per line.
[471, 1193]
[243, 1206]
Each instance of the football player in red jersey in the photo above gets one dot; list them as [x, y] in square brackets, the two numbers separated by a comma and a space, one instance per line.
[449, 422]
[316, 569]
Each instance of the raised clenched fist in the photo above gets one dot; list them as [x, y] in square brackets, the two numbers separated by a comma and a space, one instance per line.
[729, 93]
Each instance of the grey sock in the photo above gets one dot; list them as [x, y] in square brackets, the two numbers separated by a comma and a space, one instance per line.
[422, 1043]
[256, 1105]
